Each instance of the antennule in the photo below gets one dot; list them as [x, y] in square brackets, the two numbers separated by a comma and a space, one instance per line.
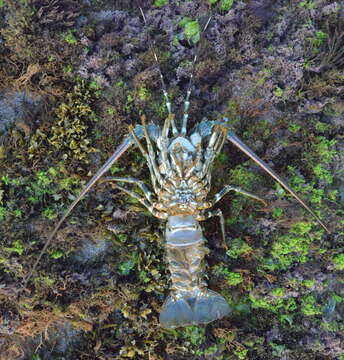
[163, 84]
[188, 92]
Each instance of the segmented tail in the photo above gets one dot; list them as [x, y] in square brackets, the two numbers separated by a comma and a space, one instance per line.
[190, 301]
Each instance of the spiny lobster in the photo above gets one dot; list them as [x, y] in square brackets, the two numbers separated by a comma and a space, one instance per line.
[180, 162]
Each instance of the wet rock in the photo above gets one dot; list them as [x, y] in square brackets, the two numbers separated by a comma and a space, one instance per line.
[313, 107]
[9, 320]
[81, 21]
[17, 107]
[273, 334]
[329, 344]
[92, 252]
[331, 9]
[61, 340]
[130, 67]
[105, 15]
[263, 9]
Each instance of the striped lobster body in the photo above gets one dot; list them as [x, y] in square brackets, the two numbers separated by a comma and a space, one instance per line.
[190, 301]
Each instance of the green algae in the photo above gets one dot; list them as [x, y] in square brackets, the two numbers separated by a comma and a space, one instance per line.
[192, 29]
[338, 261]
[160, 3]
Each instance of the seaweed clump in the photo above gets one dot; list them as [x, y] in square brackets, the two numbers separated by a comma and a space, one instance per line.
[75, 117]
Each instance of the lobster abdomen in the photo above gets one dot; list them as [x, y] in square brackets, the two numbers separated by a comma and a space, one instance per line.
[190, 301]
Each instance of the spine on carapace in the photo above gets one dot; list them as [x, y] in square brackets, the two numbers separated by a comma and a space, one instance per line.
[190, 301]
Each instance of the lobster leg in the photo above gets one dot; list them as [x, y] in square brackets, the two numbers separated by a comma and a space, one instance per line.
[229, 188]
[209, 214]
[244, 148]
[147, 157]
[151, 151]
[145, 202]
[136, 196]
[148, 194]
[115, 156]
[215, 144]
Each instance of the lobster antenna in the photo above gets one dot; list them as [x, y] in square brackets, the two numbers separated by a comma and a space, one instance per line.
[188, 92]
[163, 84]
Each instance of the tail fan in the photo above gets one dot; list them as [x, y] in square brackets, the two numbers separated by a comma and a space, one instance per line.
[190, 309]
